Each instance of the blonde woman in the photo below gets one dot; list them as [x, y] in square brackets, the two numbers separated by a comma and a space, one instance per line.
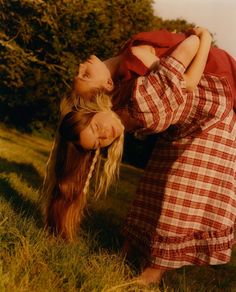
[184, 209]
[117, 74]
[80, 132]
[71, 164]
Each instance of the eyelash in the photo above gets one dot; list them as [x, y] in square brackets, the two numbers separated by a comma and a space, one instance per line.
[85, 75]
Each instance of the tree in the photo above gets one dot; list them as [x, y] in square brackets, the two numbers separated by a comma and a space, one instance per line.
[42, 42]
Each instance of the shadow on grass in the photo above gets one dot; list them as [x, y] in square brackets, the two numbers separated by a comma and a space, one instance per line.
[24, 170]
[6, 139]
[44, 153]
[213, 278]
[225, 277]
[21, 205]
[106, 227]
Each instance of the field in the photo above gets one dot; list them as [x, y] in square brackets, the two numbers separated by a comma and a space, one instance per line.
[31, 260]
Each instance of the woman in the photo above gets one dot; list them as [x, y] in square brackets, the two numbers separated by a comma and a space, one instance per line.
[60, 212]
[70, 166]
[184, 211]
[121, 71]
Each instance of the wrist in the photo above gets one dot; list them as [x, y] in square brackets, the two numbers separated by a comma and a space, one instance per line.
[206, 36]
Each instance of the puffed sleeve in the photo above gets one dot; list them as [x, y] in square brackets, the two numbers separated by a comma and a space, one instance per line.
[159, 97]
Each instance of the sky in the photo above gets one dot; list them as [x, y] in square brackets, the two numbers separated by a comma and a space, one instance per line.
[219, 16]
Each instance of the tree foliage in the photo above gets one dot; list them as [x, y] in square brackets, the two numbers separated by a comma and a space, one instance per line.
[42, 42]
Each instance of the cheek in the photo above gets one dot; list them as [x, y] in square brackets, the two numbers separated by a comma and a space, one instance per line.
[107, 142]
[119, 128]
[78, 86]
[83, 88]
[87, 139]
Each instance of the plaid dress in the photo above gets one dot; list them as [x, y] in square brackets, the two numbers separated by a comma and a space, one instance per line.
[185, 207]
[219, 62]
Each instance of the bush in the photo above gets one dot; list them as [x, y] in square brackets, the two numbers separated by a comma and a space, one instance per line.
[42, 42]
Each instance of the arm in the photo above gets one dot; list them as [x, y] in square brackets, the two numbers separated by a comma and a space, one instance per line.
[185, 54]
[195, 70]
[146, 54]
[191, 52]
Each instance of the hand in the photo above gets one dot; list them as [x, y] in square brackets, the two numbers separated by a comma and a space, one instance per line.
[198, 31]
[201, 32]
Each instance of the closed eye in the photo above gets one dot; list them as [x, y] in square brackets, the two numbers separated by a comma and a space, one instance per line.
[85, 75]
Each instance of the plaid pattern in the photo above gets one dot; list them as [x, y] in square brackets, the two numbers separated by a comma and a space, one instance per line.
[185, 207]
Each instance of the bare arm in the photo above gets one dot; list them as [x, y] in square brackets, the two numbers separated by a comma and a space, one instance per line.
[192, 53]
[195, 70]
[185, 51]
[146, 54]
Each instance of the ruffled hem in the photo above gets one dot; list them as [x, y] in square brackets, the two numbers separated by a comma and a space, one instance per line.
[199, 259]
[156, 245]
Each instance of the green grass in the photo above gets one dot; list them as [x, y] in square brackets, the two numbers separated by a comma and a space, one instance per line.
[31, 260]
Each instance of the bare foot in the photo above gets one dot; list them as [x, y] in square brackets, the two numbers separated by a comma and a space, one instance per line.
[150, 276]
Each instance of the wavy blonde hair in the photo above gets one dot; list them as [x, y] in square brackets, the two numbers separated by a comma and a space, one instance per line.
[70, 168]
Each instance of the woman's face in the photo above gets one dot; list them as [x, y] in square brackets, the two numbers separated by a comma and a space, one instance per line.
[102, 130]
[92, 74]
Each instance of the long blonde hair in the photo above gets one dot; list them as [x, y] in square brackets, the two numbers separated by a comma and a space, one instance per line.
[70, 168]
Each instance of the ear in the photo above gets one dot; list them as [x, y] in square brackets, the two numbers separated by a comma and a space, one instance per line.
[109, 86]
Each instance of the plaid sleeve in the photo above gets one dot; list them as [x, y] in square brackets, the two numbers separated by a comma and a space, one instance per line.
[158, 97]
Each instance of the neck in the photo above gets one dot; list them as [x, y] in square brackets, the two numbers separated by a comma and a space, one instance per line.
[113, 65]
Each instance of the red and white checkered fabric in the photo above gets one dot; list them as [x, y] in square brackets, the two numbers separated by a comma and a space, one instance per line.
[185, 207]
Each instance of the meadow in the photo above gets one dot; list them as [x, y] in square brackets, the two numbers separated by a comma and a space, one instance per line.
[32, 260]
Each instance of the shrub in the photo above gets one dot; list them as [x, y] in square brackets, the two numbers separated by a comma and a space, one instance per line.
[42, 42]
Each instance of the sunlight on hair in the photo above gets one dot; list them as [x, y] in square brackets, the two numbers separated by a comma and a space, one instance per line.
[110, 173]
[50, 180]
[101, 102]
[111, 167]
[70, 169]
